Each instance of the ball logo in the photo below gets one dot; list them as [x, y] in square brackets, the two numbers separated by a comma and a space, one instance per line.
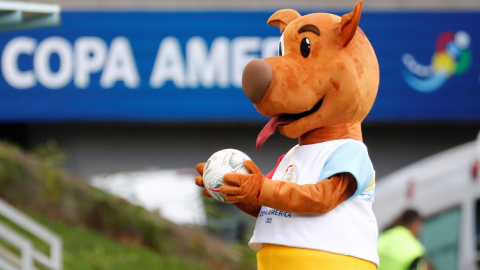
[291, 174]
[452, 57]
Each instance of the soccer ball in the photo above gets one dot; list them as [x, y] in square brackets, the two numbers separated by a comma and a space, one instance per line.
[219, 164]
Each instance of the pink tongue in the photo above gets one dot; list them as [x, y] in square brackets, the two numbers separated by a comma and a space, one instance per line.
[270, 128]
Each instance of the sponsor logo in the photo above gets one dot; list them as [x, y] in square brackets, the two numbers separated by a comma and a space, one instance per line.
[452, 57]
[291, 174]
[269, 220]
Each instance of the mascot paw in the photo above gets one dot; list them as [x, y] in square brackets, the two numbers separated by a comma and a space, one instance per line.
[199, 179]
[241, 187]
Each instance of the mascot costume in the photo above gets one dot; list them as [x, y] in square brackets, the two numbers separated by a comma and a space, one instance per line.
[314, 210]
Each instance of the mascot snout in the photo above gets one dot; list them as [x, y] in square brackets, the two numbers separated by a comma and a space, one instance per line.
[256, 80]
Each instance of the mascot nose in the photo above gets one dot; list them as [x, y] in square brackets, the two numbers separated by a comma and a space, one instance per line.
[256, 79]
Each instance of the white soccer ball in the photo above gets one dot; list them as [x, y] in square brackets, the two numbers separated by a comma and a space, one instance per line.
[220, 163]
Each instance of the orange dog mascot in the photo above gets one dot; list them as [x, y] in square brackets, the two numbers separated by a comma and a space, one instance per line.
[315, 208]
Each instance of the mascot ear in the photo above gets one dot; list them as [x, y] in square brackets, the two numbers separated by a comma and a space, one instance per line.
[282, 18]
[350, 22]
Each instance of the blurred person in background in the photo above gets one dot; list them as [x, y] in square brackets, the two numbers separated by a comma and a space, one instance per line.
[399, 247]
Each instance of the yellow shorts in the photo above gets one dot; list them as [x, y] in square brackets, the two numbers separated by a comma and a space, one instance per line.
[275, 257]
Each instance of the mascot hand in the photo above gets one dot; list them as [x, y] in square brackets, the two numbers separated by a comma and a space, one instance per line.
[199, 179]
[244, 188]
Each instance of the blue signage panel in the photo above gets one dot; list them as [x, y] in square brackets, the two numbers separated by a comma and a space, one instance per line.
[187, 66]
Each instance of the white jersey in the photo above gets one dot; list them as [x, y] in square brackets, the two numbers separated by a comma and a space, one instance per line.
[350, 228]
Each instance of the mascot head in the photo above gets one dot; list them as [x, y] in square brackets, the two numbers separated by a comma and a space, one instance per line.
[324, 78]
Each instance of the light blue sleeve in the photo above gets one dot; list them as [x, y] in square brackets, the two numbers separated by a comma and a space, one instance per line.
[353, 158]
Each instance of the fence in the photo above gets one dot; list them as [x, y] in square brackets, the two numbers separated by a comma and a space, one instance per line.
[28, 254]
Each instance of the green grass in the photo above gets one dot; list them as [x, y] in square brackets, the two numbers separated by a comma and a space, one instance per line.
[85, 249]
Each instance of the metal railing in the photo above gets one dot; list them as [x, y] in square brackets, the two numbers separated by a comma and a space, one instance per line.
[24, 15]
[28, 254]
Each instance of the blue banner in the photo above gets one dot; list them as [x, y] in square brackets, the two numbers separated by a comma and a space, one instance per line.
[187, 66]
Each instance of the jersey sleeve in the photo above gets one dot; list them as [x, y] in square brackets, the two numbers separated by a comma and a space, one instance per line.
[351, 157]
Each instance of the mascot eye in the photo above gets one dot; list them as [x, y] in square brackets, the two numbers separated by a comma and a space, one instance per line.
[281, 47]
[305, 47]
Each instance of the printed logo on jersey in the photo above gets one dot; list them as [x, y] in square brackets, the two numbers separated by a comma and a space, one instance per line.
[291, 174]
[452, 57]
[274, 212]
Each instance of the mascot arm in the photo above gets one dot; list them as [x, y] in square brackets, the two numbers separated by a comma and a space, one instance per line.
[252, 208]
[319, 198]
[199, 179]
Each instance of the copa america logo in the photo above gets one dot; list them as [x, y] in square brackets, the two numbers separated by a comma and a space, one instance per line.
[291, 174]
[452, 57]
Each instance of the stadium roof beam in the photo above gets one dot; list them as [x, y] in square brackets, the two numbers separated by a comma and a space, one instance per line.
[22, 15]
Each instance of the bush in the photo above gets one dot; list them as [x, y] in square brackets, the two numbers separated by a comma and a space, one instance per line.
[37, 184]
